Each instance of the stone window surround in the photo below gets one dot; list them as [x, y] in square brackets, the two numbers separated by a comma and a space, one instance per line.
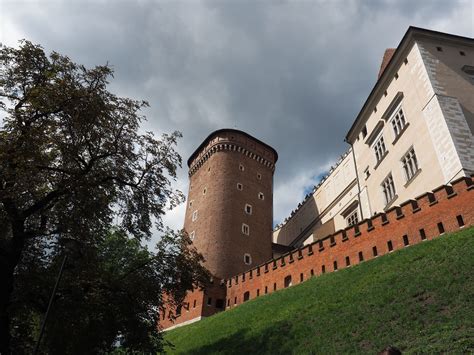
[247, 259]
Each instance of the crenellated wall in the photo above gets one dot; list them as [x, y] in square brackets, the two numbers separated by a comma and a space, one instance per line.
[423, 218]
[445, 209]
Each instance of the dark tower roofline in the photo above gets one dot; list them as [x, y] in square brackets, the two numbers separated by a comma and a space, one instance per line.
[230, 130]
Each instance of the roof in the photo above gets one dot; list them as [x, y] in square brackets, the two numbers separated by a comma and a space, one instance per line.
[397, 56]
[229, 130]
[385, 60]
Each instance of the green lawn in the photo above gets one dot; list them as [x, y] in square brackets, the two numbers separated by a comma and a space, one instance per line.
[419, 299]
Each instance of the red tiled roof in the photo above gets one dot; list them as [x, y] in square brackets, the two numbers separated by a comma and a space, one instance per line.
[386, 59]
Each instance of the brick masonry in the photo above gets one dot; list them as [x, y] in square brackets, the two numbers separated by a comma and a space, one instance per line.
[445, 209]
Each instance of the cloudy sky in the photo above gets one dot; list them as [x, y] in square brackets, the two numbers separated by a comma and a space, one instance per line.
[291, 73]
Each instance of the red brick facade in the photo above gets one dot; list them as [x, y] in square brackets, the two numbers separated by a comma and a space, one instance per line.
[445, 209]
[231, 185]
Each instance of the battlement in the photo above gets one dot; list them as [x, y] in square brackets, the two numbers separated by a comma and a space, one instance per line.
[428, 216]
[445, 209]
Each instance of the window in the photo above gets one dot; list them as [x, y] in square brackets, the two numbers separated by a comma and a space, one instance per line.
[374, 251]
[246, 296]
[460, 221]
[287, 281]
[462, 53]
[361, 256]
[439, 49]
[323, 269]
[335, 265]
[274, 286]
[301, 277]
[194, 304]
[406, 242]
[241, 167]
[248, 209]
[245, 229]
[379, 148]
[192, 235]
[247, 259]
[422, 234]
[261, 196]
[398, 122]
[209, 301]
[266, 289]
[440, 228]
[312, 272]
[240, 186]
[352, 219]
[366, 173]
[258, 292]
[410, 164]
[259, 176]
[235, 300]
[191, 203]
[348, 261]
[204, 191]
[388, 189]
[390, 245]
[195, 215]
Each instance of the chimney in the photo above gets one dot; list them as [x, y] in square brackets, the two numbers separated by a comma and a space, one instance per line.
[386, 59]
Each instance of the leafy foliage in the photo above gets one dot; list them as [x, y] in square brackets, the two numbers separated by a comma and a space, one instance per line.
[72, 159]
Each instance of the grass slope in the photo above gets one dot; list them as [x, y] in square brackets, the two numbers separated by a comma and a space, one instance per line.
[419, 299]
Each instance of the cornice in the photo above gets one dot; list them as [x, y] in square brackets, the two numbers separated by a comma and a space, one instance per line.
[233, 147]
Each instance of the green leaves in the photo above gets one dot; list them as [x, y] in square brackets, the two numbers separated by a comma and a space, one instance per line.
[72, 160]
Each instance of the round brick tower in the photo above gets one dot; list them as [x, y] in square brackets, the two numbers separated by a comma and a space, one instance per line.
[229, 210]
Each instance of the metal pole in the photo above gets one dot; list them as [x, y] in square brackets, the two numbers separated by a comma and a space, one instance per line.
[50, 304]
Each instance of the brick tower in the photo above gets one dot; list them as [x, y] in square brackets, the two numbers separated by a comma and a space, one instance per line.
[230, 201]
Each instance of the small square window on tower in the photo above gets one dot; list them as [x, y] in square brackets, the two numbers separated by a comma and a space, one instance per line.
[261, 196]
[259, 176]
[241, 167]
[240, 186]
[195, 215]
[245, 229]
[191, 203]
[248, 209]
[204, 191]
[247, 259]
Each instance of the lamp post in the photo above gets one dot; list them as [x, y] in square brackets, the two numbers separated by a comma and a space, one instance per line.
[69, 245]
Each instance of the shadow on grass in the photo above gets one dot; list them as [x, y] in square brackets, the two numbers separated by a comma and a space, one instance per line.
[270, 340]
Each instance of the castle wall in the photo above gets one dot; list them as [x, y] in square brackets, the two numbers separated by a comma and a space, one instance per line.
[446, 209]
[423, 215]
[324, 210]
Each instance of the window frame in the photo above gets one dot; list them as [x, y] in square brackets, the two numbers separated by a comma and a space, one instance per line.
[351, 216]
[398, 116]
[245, 229]
[410, 164]
[247, 255]
[194, 216]
[379, 153]
[248, 206]
[390, 193]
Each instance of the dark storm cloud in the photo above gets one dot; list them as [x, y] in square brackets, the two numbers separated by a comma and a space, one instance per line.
[293, 74]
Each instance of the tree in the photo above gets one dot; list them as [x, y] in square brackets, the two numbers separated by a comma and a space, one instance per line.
[71, 160]
[112, 289]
